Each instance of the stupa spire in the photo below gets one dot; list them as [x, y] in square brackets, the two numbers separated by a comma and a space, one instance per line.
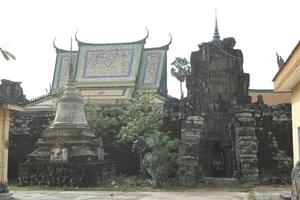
[70, 110]
[71, 73]
[216, 33]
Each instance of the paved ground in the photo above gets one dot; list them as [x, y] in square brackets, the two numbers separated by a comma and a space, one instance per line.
[127, 195]
[89, 195]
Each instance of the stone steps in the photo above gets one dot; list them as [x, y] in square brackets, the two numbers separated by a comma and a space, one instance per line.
[220, 182]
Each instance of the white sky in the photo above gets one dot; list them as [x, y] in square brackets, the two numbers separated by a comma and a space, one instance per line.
[261, 28]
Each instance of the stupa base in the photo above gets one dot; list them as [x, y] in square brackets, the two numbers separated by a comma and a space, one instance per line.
[65, 174]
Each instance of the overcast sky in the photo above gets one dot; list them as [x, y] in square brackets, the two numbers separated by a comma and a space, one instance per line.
[261, 28]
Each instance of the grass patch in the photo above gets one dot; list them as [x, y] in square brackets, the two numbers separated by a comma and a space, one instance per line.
[253, 196]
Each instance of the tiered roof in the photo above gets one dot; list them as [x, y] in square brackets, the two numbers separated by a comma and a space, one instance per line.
[110, 72]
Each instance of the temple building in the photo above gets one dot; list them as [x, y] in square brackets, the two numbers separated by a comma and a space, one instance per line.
[110, 74]
[287, 80]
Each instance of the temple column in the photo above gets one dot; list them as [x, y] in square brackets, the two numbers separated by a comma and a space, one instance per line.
[4, 129]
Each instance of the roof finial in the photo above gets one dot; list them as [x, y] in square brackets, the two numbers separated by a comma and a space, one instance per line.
[216, 34]
[71, 64]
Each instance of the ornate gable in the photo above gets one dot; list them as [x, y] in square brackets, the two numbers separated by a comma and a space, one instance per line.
[101, 64]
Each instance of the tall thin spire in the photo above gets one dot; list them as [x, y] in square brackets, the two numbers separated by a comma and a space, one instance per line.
[216, 33]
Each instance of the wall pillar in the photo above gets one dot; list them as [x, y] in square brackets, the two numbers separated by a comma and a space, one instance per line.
[246, 144]
[4, 130]
[190, 163]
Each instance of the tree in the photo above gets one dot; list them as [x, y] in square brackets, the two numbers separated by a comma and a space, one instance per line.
[160, 162]
[142, 117]
[138, 126]
[7, 55]
[180, 71]
[104, 121]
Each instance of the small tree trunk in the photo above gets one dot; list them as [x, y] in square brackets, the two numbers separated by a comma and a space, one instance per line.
[141, 162]
[181, 90]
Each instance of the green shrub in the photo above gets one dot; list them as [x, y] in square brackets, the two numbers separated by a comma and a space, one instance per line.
[161, 160]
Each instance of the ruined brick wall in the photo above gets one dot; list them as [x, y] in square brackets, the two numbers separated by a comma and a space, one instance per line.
[25, 129]
[245, 143]
[254, 137]
[12, 90]
[274, 133]
[65, 174]
[191, 133]
[216, 84]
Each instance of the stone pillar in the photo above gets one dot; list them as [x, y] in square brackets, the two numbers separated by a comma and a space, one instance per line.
[190, 163]
[246, 144]
[4, 129]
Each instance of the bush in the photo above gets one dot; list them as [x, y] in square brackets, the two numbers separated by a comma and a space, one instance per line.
[160, 161]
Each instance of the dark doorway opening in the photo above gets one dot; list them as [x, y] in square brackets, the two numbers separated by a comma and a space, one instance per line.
[218, 159]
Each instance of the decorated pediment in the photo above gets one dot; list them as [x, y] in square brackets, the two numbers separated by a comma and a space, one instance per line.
[100, 64]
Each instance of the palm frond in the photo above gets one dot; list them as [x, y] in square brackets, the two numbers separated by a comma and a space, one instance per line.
[10, 55]
[7, 55]
[4, 54]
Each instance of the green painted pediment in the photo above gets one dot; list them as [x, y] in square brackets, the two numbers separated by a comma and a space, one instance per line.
[116, 63]
[152, 68]
[62, 68]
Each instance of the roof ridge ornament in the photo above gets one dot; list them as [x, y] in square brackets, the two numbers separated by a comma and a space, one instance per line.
[54, 43]
[216, 33]
[147, 33]
[280, 60]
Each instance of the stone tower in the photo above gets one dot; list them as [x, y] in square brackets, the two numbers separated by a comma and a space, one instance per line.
[68, 152]
[217, 92]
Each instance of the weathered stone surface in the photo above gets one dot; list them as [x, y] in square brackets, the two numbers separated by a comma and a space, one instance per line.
[13, 91]
[68, 153]
[217, 117]
[244, 115]
[296, 182]
[217, 79]
[188, 171]
[71, 174]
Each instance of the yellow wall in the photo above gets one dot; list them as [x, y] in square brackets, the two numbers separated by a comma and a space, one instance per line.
[296, 120]
[271, 98]
[4, 129]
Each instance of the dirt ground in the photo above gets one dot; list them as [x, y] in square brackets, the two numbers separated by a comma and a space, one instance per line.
[207, 193]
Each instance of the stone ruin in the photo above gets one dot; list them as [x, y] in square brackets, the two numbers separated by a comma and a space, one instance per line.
[224, 135]
[68, 153]
[13, 91]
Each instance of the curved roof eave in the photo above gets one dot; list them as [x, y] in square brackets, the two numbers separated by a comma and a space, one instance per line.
[164, 47]
[141, 41]
[59, 50]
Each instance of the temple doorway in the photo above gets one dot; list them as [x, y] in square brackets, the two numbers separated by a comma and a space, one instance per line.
[218, 159]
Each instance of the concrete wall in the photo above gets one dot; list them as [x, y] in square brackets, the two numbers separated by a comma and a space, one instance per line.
[296, 120]
[4, 128]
